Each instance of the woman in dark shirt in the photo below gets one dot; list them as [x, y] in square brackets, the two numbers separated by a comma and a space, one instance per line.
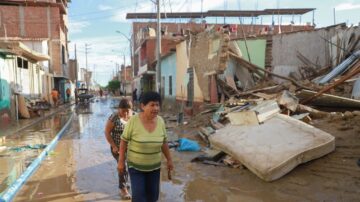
[113, 131]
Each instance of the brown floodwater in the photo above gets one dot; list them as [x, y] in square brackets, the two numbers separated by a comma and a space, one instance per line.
[19, 149]
[81, 168]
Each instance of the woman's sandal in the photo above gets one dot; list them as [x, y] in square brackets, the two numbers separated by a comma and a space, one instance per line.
[125, 196]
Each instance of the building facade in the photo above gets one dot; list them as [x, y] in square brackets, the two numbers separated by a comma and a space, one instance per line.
[42, 25]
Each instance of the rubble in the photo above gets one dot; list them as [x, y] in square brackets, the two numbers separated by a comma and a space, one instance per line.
[268, 126]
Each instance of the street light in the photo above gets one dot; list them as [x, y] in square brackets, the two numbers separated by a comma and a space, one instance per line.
[131, 55]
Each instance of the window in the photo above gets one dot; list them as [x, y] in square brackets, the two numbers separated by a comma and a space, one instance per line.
[63, 54]
[25, 64]
[19, 62]
[162, 90]
[22, 63]
[170, 85]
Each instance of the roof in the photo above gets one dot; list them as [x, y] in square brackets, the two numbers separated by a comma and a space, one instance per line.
[20, 49]
[222, 13]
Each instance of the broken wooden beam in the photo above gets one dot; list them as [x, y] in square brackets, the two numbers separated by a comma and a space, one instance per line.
[255, 69]
[352, 73]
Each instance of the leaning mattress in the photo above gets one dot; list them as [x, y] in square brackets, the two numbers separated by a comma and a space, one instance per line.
[274, 148]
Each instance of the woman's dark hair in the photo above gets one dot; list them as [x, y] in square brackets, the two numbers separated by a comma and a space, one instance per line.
[150, 96]
[125, 104]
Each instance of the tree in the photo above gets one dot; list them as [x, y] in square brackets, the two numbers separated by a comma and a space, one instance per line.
[113, 85]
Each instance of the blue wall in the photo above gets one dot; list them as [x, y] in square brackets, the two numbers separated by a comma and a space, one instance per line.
[168, 68]
[5, 96]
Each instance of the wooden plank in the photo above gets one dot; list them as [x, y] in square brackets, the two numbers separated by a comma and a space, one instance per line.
[328, 100]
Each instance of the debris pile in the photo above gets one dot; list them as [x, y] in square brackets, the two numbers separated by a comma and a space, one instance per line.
[267, 128]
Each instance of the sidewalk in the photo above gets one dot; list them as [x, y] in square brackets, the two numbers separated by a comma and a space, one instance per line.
[22, 124]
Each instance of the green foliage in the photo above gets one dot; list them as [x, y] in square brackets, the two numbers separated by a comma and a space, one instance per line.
[113, 85]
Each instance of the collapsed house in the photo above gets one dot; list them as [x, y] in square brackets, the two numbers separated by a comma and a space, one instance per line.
[262, 113]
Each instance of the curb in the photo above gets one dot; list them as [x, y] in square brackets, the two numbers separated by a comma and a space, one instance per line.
[15, 186]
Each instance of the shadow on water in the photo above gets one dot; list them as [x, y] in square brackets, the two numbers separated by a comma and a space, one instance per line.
[18, 150]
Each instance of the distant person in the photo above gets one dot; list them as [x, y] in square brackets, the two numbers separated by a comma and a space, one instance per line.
[134, 97]
[113, 131]
[143, 140]
[55, 96]
[140, 95]
[68, 94]
[101, 92]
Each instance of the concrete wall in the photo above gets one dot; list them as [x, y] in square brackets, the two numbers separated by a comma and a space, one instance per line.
[40, 47]
[256, 50]
[182, 77]
[309, 43]
[182, 63]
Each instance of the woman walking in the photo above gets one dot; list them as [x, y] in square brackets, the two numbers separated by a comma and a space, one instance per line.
[144, 139]
[113, 130]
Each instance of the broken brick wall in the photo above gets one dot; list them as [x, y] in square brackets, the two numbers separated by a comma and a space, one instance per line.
[208, 55]
[182, 75]
[313, 45]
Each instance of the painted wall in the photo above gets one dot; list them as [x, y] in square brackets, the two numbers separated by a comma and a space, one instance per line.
[168, 68]
[256, 51]
[5, 94]
[182, 77]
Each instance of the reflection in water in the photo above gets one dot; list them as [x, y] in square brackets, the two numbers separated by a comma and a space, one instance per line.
[14, 163]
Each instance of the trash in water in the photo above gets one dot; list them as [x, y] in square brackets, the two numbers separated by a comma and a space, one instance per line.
[28, 147]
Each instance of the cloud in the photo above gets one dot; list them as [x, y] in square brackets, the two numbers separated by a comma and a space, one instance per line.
[347, 6]
[78, 26]
[104, 7]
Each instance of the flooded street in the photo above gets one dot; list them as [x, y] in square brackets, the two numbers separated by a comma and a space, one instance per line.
[81, 168]
[21, 148]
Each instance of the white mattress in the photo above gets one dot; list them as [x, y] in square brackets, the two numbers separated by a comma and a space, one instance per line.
[274, 148]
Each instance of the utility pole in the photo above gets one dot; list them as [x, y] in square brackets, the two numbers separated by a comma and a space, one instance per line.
[158, 49]
[334, 17]
[87, 48]
[131, 55]
[124, 82]
[76, 74]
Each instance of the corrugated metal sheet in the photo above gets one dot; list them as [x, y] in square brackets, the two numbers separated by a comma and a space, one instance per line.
[356, 90]
[341, 68]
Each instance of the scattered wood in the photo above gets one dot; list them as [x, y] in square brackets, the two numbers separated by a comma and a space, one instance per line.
[352, 73]
[257, 70]
[216, 125]
[313, 112]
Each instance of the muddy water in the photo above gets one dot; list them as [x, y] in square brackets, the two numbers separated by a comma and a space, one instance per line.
[82, 169]
[20, 149]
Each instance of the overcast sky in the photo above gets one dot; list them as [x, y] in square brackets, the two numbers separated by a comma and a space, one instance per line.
[95, 22]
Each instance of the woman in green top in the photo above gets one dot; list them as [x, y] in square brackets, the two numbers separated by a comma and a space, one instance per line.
[144, 139]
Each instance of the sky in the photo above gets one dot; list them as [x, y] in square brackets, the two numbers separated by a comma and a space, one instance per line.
[97, 23]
